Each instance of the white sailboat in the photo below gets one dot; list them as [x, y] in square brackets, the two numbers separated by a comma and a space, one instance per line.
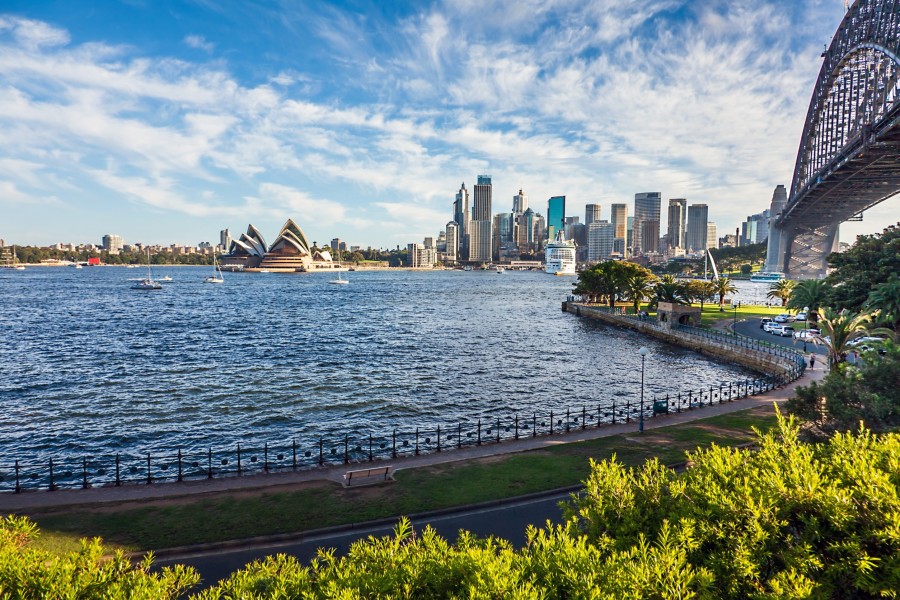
[340, 280]
[148, 283]
[12, 261]
[216, 277]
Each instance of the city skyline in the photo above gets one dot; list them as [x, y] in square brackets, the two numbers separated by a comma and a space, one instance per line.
[167, 122]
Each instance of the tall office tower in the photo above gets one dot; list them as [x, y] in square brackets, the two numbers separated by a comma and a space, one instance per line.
[677, 222]
[504, 243]
[225, 240]
[540, 232]
[520, 203]
[601, 240]
[452, 241]
[480, 247]
[645, 227]
[755, 229]
[619, 218]
[524, 231]
[428, 243]
[591, 213]
[462, 216]
[112, 243]
[698, 216]
[712, 236]
[556, 216]
[335, 244]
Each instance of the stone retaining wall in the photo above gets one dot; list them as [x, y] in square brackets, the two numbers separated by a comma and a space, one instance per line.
[758, 360]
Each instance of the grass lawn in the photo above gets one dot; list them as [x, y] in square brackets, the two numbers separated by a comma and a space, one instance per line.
[712, 315]
[190, 520]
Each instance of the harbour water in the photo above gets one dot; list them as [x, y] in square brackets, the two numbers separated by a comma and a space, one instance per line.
[91, 367]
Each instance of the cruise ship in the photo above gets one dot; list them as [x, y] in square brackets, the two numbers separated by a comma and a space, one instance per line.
[560, 256]
[765, 277]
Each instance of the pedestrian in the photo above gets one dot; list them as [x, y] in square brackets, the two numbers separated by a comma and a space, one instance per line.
[812, 362]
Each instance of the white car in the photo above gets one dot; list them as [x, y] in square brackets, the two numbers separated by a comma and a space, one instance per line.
[782, 330]
[806, 334]
[866, 341]
[768, 325]
[784, 318]
[801, 316]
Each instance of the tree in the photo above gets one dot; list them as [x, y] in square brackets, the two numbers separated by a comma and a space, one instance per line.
[669, 289]
[782, 290]
[638, 286]
[746, 269]
[885, 298]
[840, 328]
[607, 281]
[810, 294]
[724, 286]
[870, 261]
[852, 394]
[699, 290]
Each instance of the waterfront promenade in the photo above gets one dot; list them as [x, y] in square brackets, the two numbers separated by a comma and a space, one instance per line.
[31, 500]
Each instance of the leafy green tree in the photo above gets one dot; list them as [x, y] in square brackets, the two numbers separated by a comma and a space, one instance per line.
[639, 286]
[699, 290]
[885, 298]
[608, 281]
[839, 329]
[746, 269]
[782, 290]
[724, 286]
[357, 257]
[870, 261]
[27, 572]
[669, 289]
[852, 394]
[810, 294]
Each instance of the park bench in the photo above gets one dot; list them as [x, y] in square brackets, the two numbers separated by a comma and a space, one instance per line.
[368, 476]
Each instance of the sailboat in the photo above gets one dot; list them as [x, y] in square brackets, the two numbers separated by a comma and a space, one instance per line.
[148, 283]
[12, 261]
[340, 280]
[216, 277]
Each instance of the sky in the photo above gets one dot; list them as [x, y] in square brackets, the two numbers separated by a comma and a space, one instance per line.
[164, 121]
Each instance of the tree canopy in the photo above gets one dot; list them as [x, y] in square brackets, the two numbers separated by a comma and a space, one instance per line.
[869, 262]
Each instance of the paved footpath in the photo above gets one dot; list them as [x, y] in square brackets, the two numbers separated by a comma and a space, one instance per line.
[39, 499]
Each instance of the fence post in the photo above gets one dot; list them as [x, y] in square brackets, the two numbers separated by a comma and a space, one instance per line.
[149, 474]
[394, 444]
[551, 422]
[417, 441]
[583, 416]
[18, 487]
[266, 457]
[720, 393]
[346, 449]
[438, 438]
[598, 415]
[322, 452]
[628, 410]
[52, 486]
[370, 447]
[209, 473]
[294, 449]
[179, 465]
[498, 430]
[458, 435]
[517, 427]
[534, 425]
[118, 479]
[614, 413]
[568, 420]
[479, 433]
[239, 459]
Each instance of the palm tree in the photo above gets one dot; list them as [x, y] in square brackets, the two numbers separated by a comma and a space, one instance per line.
[669, 289]
[724, 286]
[700, 290]
[885, 297]
[841, 328]
[639, 286]
[782, 290]
[811, 295]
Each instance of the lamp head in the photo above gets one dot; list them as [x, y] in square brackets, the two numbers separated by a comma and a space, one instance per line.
[643, 351]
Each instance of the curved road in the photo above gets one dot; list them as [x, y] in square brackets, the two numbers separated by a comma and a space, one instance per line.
[750, 327]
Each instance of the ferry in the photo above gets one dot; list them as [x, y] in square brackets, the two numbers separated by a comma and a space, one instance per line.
[560, 256]
[766, 277]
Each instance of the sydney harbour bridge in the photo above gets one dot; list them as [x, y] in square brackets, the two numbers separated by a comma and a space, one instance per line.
[849, 156]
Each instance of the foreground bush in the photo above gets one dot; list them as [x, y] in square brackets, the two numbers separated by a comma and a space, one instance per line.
[26, 572]
[789, 520]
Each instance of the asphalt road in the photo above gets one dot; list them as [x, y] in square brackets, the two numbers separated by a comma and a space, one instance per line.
[507, 520]
[750, 327]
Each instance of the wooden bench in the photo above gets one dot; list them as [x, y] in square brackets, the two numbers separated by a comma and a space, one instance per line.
[368, 476]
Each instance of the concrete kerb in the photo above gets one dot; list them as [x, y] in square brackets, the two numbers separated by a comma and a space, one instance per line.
[43, 499]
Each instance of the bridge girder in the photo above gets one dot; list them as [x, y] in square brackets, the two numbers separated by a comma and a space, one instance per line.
[849, 155]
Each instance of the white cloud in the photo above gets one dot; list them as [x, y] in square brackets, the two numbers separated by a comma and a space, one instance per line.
[200, 43]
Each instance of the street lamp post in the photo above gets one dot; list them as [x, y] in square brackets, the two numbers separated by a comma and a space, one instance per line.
[734, 321]
[643, 352]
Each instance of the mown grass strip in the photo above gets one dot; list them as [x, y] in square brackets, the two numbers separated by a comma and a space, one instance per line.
[186, 521]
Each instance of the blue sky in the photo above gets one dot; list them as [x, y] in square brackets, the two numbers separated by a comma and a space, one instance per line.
[165, 121]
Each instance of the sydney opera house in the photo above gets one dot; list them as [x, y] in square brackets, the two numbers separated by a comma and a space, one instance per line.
[290, 252]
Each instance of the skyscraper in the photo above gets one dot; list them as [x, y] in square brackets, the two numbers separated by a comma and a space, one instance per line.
[556, 216]
[480, 227]
[645, 228]
[601, 240]
[462, 216]
[677, 222]
[520, 203]
[712, 236]
[698, 216]
[225, 240]
[452, 250]
[113, 243]
[591, 214]
[619, 218]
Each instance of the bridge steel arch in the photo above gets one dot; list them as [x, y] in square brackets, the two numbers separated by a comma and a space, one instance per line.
[849, 155]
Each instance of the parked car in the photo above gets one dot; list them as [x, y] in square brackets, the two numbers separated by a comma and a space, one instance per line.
[784, 318]
[868, 340]
[782, 330]
[801, 316]
[763, 321]
[806, 334]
